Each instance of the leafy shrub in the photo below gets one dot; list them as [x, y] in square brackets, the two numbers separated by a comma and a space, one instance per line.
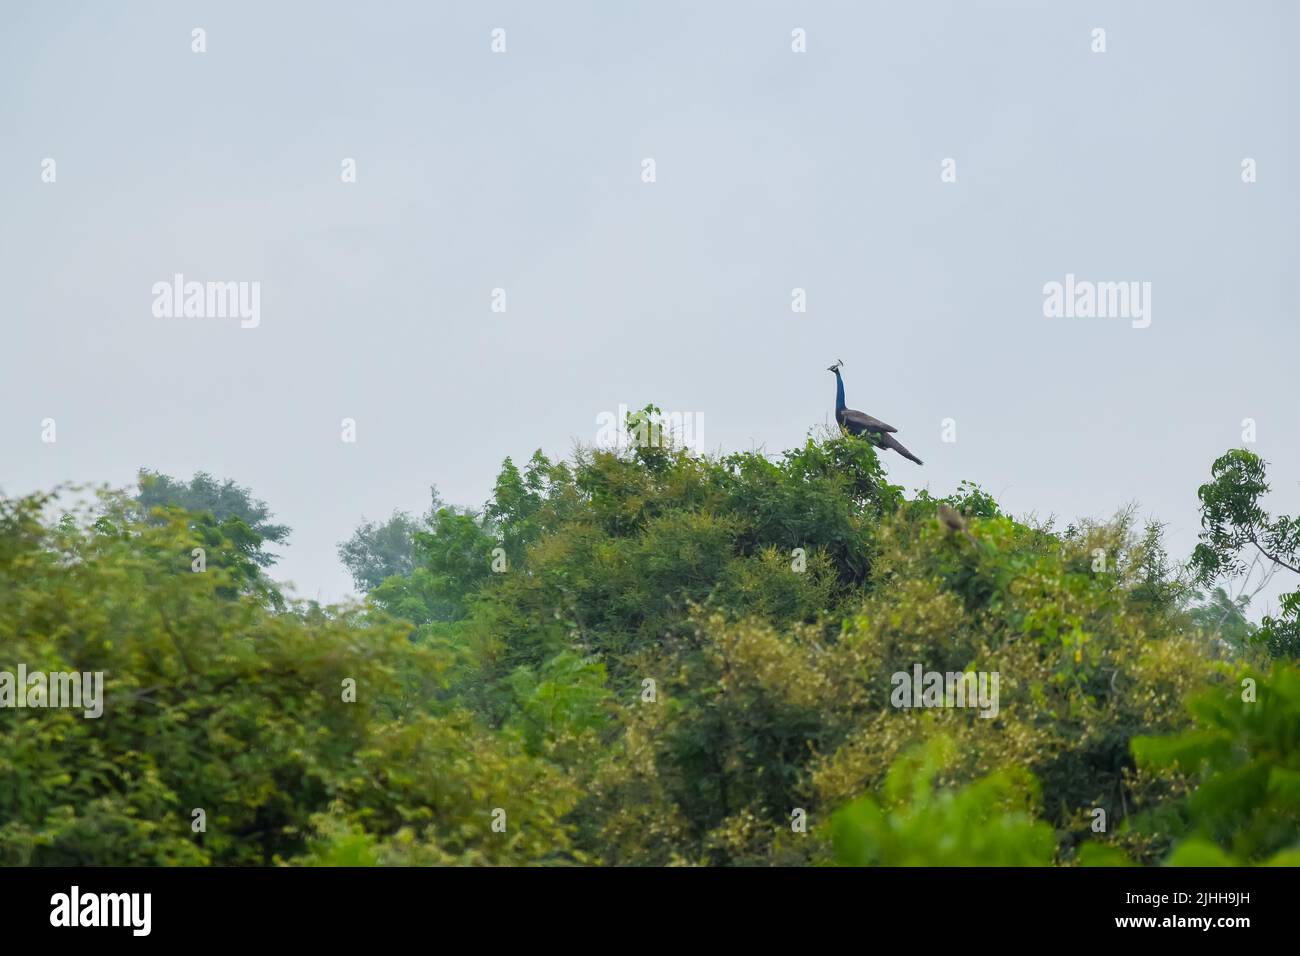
[217, 701]
[989, 822]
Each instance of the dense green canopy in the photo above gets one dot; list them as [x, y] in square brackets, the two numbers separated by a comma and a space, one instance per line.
[640, 658]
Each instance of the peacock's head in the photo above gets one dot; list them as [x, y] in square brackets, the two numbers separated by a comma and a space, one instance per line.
[836, 367]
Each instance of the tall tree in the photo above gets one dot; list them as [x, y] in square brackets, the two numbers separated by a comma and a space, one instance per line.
[1233, 523]
[234, 526]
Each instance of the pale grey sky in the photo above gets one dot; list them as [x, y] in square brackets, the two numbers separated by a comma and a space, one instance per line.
[522, 170]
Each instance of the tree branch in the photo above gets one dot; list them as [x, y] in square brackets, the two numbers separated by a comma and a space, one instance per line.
[1274, 558]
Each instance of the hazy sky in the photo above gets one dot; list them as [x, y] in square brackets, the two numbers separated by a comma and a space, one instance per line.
[522, 170]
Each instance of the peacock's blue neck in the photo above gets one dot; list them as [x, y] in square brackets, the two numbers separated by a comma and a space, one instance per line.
[839, 392]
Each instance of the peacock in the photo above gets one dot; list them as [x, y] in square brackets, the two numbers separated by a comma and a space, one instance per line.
[862, 424]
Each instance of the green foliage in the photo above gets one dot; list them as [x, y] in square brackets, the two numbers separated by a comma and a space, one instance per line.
[1085, 660]
[1225, 617]
[376, 552]
[1244, 754]
[562, 707]
[989, 822]
[1233, 520]
[230, 508]
[452, 559]
[769, 601]
[215, 700]
[641, 657]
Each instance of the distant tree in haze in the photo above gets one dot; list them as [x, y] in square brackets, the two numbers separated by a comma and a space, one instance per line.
[1225, 615]
[377, 551]
[228, 504]
[422, 569]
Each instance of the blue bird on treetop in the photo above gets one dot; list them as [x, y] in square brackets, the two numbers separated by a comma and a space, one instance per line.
[862, 424]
